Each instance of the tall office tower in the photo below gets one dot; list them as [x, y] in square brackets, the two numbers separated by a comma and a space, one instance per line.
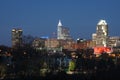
[16, 37]
[59, 30]
[102, 33]
[63, 32]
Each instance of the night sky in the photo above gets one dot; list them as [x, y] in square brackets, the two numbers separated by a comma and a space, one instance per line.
[40, 17]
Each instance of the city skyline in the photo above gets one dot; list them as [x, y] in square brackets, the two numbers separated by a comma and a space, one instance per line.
[40, 17]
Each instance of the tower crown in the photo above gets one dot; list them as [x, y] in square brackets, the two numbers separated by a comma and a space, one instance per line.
[102, 22]
[59, 23]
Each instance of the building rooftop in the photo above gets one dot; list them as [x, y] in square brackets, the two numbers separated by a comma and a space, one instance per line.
[102, 22]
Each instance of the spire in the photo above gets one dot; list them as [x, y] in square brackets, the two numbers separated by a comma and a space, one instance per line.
[59, 24]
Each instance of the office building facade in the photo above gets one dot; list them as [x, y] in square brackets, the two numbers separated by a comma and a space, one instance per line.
[63, 32]
[17, 37]
[101, 35]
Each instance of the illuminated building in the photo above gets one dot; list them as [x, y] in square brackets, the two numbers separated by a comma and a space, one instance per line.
[38, 43]
[17, 37]
[52, 43]
[84, 44]
[67, 44]
[59, 30]
[58, 45]
[62, 32]
[114, 41]
[94, 36]
[101, 35]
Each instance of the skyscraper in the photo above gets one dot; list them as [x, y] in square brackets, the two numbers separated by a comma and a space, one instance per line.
[63, 32]
[101, 37]
[16, 37]
[59, 30]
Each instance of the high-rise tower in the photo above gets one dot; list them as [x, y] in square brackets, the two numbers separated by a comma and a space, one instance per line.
[16, 37]
[102, 33]
[59, 30]
[62, 32]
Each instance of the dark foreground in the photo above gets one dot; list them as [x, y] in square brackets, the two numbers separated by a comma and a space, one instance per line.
[100, 75]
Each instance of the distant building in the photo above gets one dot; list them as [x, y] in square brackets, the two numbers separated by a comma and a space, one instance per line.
[114, 41]
[52, 44]
[38, 43]
[17, 37]
[101, 35]
[67, 44]
[58, 45]
[94, 35]
[63, 32]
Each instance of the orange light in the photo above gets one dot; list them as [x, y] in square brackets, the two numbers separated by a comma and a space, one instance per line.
[100, 50]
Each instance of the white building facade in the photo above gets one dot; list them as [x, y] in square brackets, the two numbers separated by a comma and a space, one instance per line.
[63, 32]
[101, 35]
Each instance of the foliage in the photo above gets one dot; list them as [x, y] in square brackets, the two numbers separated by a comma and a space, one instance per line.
[72, 65]
[3, 70]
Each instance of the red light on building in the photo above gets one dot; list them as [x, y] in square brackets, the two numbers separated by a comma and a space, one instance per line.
[108, 49]
[100, 50]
